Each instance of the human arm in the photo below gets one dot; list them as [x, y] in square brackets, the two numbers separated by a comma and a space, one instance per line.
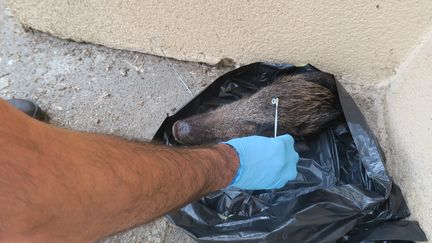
[61, 185]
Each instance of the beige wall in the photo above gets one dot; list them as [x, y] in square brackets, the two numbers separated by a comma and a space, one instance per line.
[409, 122]
[363, 40]
[379, 47]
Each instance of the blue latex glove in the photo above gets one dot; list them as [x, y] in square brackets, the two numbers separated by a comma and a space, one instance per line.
[265, 163]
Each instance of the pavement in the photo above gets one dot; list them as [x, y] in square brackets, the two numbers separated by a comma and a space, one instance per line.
[92, 88]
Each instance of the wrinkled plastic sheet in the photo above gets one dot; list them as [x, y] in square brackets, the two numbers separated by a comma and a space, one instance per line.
[342, 193]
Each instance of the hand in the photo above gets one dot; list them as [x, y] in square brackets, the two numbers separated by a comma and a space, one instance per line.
[265, 163]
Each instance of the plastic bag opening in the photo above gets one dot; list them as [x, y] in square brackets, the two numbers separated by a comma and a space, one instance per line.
[343, 192]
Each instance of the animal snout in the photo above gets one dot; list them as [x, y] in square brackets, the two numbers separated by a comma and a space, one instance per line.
[180, 130]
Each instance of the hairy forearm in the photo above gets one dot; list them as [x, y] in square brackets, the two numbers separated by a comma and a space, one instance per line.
[70, 186]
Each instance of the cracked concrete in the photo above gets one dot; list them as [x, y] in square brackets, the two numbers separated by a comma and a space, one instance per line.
[93, 88]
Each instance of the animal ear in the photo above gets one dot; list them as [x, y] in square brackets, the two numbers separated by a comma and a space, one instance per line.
[324, 79]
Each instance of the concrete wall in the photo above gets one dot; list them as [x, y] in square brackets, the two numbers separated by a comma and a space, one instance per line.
[381, 51]
[364, 40]
[409, 126]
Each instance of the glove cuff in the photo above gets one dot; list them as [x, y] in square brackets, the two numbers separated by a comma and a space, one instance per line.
[238, 173]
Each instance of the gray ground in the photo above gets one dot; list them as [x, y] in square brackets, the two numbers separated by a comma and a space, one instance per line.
[94, 88]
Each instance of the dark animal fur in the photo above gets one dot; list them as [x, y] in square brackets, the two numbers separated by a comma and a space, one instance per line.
[304, 108]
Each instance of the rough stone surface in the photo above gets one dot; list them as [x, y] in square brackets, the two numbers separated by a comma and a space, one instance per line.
[93, 88]
[97, 89]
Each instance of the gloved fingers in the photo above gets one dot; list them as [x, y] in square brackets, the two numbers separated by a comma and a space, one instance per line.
[287, 173]
[291, 172]
[265, 163]
[288, 141]
[290, 165]
[294, 157]
[280, 183]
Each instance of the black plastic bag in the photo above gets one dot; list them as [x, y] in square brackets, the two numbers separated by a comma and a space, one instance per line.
[342, 193]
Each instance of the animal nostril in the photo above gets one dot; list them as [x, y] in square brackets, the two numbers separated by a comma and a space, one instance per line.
[180, 129]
